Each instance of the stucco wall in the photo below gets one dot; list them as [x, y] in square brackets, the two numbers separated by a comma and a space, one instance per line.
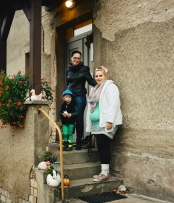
[136, 45]
[118, 15]
[17, 43]
[20, 150]
[140, 61]
[134, 40]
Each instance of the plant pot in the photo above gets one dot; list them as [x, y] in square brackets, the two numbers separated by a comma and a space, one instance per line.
[56, 166]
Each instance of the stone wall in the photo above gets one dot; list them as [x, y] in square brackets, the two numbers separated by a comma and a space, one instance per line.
[134, 40]
[20, 151]
[136, 45]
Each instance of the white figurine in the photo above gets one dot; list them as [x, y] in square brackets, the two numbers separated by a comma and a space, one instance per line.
[35, 97]
[42, 165]
[54, 180]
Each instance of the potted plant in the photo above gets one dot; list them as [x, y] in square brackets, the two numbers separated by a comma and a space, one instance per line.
[13, 91]
[50, 169]
[49, 156]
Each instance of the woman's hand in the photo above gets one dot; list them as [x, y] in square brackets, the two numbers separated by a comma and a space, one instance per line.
[108, 125]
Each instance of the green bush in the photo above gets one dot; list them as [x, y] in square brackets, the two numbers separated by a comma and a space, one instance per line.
[13, 90]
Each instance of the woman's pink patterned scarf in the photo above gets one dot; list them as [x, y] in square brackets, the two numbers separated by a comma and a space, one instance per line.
[94, 95]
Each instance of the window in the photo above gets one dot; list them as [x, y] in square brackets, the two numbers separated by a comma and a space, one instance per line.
[79, 29]
[27, 62]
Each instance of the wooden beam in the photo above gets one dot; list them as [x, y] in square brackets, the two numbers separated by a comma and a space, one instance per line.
[26, 8]
[51, 4]
[35, 45]
[3, 51]
[1, 21]
[3, 55]
[6, 24]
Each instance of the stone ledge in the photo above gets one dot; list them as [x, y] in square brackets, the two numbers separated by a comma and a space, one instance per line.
[40, 102]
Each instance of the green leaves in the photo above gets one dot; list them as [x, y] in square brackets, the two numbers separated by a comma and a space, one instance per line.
[13, 91]
[49, 156]
[50, 170]
[47, 89]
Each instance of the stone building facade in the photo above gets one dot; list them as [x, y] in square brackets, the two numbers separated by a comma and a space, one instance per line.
[134, 40]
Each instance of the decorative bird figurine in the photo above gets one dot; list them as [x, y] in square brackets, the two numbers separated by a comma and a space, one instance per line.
[42, 165]
[34, 96]
[54, 180]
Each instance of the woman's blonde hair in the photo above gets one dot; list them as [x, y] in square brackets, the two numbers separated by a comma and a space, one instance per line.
[103, 69]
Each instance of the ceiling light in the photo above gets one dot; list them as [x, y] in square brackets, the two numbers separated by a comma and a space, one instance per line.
[70, 3]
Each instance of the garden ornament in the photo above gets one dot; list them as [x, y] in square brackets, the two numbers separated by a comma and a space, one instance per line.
[53, 180]
[42, 165]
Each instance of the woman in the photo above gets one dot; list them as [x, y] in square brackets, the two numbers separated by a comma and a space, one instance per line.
[76, 76]
[103, 118]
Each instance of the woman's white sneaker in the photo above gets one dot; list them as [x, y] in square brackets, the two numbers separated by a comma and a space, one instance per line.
[100, 177]
[95, 176]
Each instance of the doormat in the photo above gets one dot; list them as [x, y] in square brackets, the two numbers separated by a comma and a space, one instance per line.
[103, 197]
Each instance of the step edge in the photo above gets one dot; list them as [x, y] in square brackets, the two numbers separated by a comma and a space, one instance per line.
[81, 165]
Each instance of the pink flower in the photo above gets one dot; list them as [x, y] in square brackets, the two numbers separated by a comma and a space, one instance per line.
[48, 163]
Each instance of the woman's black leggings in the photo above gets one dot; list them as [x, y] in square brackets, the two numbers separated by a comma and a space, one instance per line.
[103, 145]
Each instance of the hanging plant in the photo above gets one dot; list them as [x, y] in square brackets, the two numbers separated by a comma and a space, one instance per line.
[89, 40]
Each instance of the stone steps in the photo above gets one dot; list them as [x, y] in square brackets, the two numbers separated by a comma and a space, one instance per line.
[75, 156]
[81, 187]
[82, 171]
[80, 168]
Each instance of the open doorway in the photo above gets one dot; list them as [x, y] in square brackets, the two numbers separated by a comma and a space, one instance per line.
[77, 40]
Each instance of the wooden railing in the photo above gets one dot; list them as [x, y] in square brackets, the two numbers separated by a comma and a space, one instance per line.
[61, 153]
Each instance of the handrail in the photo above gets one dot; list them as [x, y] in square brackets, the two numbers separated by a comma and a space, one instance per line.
[61, 153]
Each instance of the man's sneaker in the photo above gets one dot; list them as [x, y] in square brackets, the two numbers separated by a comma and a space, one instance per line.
[101, 177]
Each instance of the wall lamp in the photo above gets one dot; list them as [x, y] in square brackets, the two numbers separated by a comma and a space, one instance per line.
[70, 3]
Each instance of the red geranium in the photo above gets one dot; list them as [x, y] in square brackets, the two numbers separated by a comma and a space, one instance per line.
[19, 103]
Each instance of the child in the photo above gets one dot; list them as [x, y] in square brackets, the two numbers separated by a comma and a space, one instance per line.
[68, 114]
